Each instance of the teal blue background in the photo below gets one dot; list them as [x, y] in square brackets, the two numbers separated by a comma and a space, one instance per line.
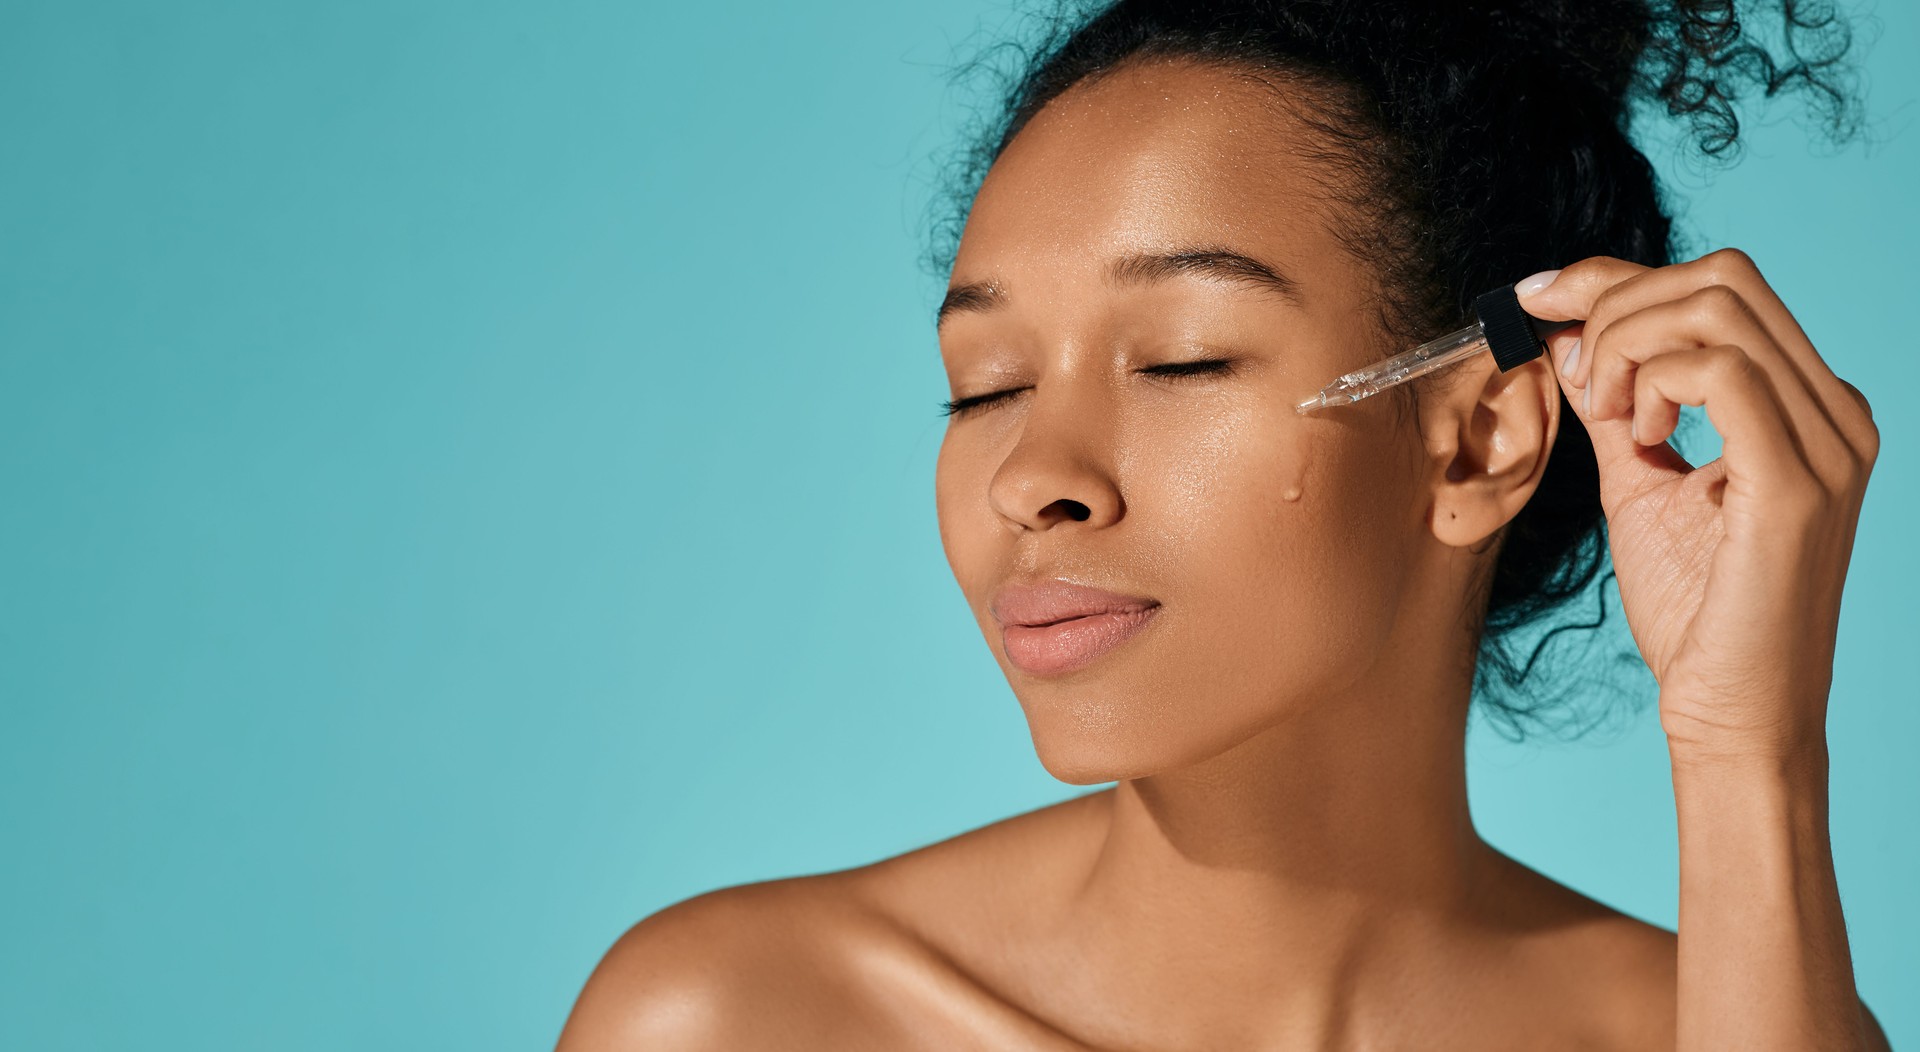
[466, 483]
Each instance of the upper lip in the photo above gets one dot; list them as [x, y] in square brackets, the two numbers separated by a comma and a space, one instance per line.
[1044, 602]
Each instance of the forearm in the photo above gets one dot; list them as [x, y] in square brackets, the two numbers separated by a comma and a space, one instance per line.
[1764, 962]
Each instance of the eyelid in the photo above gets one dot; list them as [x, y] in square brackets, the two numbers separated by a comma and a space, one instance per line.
[1193, 367]
[960, 406]
[1176, 370]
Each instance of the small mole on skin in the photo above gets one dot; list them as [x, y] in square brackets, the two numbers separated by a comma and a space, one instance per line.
[1291, 493]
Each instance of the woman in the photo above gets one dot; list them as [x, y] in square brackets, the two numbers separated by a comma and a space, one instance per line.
[1264, 625]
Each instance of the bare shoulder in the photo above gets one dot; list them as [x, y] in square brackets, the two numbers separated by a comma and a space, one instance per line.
[858, 958]
[1627, 967]
[740, 967]
[1609, 975]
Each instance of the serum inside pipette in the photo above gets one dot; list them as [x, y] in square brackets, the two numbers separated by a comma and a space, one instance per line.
[1513, 336]
[1434, 354]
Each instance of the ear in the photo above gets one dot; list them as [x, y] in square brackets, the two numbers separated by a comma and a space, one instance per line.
[1487, 438]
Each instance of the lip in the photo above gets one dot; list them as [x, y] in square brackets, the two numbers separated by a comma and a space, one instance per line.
[1057, 626]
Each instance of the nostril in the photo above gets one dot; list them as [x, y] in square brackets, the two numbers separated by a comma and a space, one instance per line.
[1075, 510]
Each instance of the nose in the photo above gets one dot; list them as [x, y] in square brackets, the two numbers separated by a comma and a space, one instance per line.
[1061, 469]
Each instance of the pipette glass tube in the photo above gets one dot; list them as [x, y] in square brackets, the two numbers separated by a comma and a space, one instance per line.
[1514, 336]
[1434, 354]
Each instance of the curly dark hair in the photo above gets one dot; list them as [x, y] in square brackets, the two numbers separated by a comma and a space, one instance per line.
[1473, 143]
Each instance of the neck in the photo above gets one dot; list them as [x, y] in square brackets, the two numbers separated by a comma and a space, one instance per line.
[1272, 880]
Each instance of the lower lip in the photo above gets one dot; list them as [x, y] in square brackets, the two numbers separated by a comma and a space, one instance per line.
[1045, 650]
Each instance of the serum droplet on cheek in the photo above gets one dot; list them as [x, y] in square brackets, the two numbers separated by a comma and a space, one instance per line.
[1300, 460]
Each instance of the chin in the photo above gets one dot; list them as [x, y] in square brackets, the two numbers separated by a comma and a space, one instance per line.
[1106, 729]
[1077, 765]
[1087, 736]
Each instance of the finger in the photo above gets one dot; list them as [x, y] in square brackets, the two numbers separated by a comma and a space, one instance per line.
[1740, 400]
[1858, 397]
[1736, 269]
[1625, 466]
[1593, 290]
[1601, 290]
[1653, 419]
[1702, 318]
[1869, 446]
[1571, 294]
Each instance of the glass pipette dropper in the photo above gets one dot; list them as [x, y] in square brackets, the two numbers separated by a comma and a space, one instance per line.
[1513, 335]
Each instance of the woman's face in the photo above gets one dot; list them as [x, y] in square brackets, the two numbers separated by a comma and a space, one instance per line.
[1278, 547]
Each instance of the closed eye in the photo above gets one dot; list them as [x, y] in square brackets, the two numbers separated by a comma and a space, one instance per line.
[959, 407]
[1202, 367]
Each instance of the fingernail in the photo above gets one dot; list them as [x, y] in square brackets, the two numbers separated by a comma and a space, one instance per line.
[1634, 428]
[1567, 363]
[1586, 401]
[1533, 283]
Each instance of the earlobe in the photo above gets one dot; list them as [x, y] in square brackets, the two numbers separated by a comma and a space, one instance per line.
[1489, 439]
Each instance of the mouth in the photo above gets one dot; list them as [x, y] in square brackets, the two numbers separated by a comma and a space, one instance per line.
[1052, 625]
[1071, 643]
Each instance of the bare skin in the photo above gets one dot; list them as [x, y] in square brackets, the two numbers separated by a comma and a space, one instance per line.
[1288, 860]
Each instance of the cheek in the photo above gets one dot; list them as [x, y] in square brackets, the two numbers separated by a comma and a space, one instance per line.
[972, 535]
[951, 482]
[1249, 497]
[1276, 545]
[1280, 542]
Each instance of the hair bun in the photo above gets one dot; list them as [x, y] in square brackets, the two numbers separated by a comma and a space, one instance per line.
[1692, 58]
[1600, 43]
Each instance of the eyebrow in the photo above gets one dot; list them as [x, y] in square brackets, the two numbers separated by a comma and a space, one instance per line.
[1143, 268]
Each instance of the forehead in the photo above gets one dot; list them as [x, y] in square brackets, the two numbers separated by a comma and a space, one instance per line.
[1153, 153]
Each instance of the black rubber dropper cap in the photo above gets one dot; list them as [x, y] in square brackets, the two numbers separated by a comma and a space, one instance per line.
[1514, 336]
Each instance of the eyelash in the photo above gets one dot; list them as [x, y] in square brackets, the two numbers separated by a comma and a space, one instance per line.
[1203, 367]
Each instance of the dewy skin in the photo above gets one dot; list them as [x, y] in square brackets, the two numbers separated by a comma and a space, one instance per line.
[1513, 335]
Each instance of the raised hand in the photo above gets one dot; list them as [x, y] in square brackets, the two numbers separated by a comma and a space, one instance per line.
[1730, 573]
